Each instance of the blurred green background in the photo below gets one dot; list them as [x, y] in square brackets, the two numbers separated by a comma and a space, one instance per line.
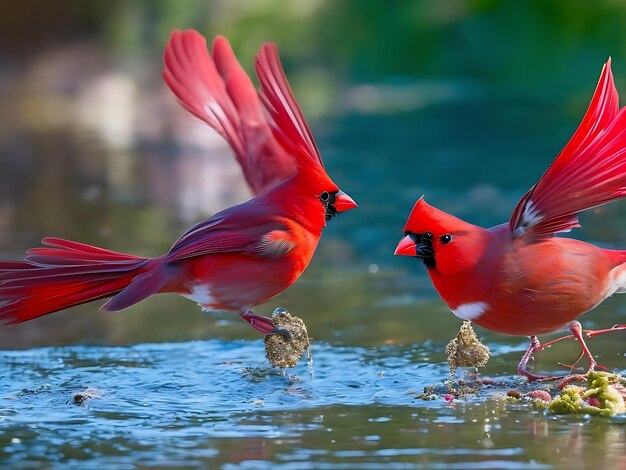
[466, 102]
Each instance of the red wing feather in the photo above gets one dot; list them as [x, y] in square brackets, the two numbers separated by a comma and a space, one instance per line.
[217, 241]
[589, 171]
[190, 73]
[219, 92]
[236, 229]
[290, 126]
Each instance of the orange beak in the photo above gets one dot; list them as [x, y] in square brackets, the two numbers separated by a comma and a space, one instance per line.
[406, 247]
[343, 202]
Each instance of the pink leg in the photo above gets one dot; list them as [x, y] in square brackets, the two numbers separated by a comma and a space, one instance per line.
[550, 343]
[521, 368]
[587, 333]
[577, 331]
[261, 323]
[592, 333]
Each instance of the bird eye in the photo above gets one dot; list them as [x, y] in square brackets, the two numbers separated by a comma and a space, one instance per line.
[325, 196]
[427, 236]
[445, 239]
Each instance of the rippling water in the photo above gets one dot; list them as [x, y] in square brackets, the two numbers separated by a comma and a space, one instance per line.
[216, 403]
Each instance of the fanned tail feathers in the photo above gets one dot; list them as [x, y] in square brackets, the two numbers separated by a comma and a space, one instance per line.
[63, 274]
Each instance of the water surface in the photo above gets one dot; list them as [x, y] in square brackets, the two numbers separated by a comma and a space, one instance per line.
[216, 403]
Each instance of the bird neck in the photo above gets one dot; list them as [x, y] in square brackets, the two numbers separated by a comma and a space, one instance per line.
[300, 203]
[471, 274]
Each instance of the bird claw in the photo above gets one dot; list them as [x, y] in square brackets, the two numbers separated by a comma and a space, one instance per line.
[580, 335]
[561, 381]
[593, 367]
[281, 331]
[262, 324]
[568, 379]
[567, 366]
[536, 378]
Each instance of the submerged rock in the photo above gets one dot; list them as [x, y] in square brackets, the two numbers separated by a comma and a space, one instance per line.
[466, 350]
[602, 395]
[81, 397]
[516, 394]
[285, 352]
[451, 390]
[541, 395]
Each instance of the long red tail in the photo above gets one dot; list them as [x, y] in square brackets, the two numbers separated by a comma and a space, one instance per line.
[64, 273]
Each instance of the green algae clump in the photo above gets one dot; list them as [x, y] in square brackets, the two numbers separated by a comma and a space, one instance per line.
[599, 398]
[466, 350]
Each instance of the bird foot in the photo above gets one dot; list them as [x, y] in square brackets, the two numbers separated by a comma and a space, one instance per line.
[282, 332]
[587, 333]
[593, 366]
[528, 355]
[568, 379]
[561, 381]
[592, 333]
[263, 324]
[535, 377]
[579, 334]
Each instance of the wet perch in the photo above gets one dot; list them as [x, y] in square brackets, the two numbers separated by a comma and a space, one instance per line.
[283, 351]
[466, 350]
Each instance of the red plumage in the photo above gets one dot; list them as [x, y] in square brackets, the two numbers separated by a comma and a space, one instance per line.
[589, 171]
[218, 91]
[240, 257]
[517, 278]
[61, 275]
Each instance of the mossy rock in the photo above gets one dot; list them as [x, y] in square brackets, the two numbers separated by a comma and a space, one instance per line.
[283, 351]
[466, 350]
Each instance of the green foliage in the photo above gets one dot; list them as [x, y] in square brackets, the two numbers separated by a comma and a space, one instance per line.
[505, 40]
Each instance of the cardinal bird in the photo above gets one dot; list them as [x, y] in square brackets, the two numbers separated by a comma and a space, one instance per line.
[518, 278]
[242, 256]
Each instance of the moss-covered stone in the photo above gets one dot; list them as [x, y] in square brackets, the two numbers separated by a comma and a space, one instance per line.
[466, 350]
[285, 352]
[450, 389]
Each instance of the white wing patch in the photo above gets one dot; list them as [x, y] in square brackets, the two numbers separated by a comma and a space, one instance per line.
[274, 244]
[470, 311]
[200, 294]
[530, 218]
[617, 280]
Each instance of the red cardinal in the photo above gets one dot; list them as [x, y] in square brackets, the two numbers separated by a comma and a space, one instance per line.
[242, 256]
[518, 278]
